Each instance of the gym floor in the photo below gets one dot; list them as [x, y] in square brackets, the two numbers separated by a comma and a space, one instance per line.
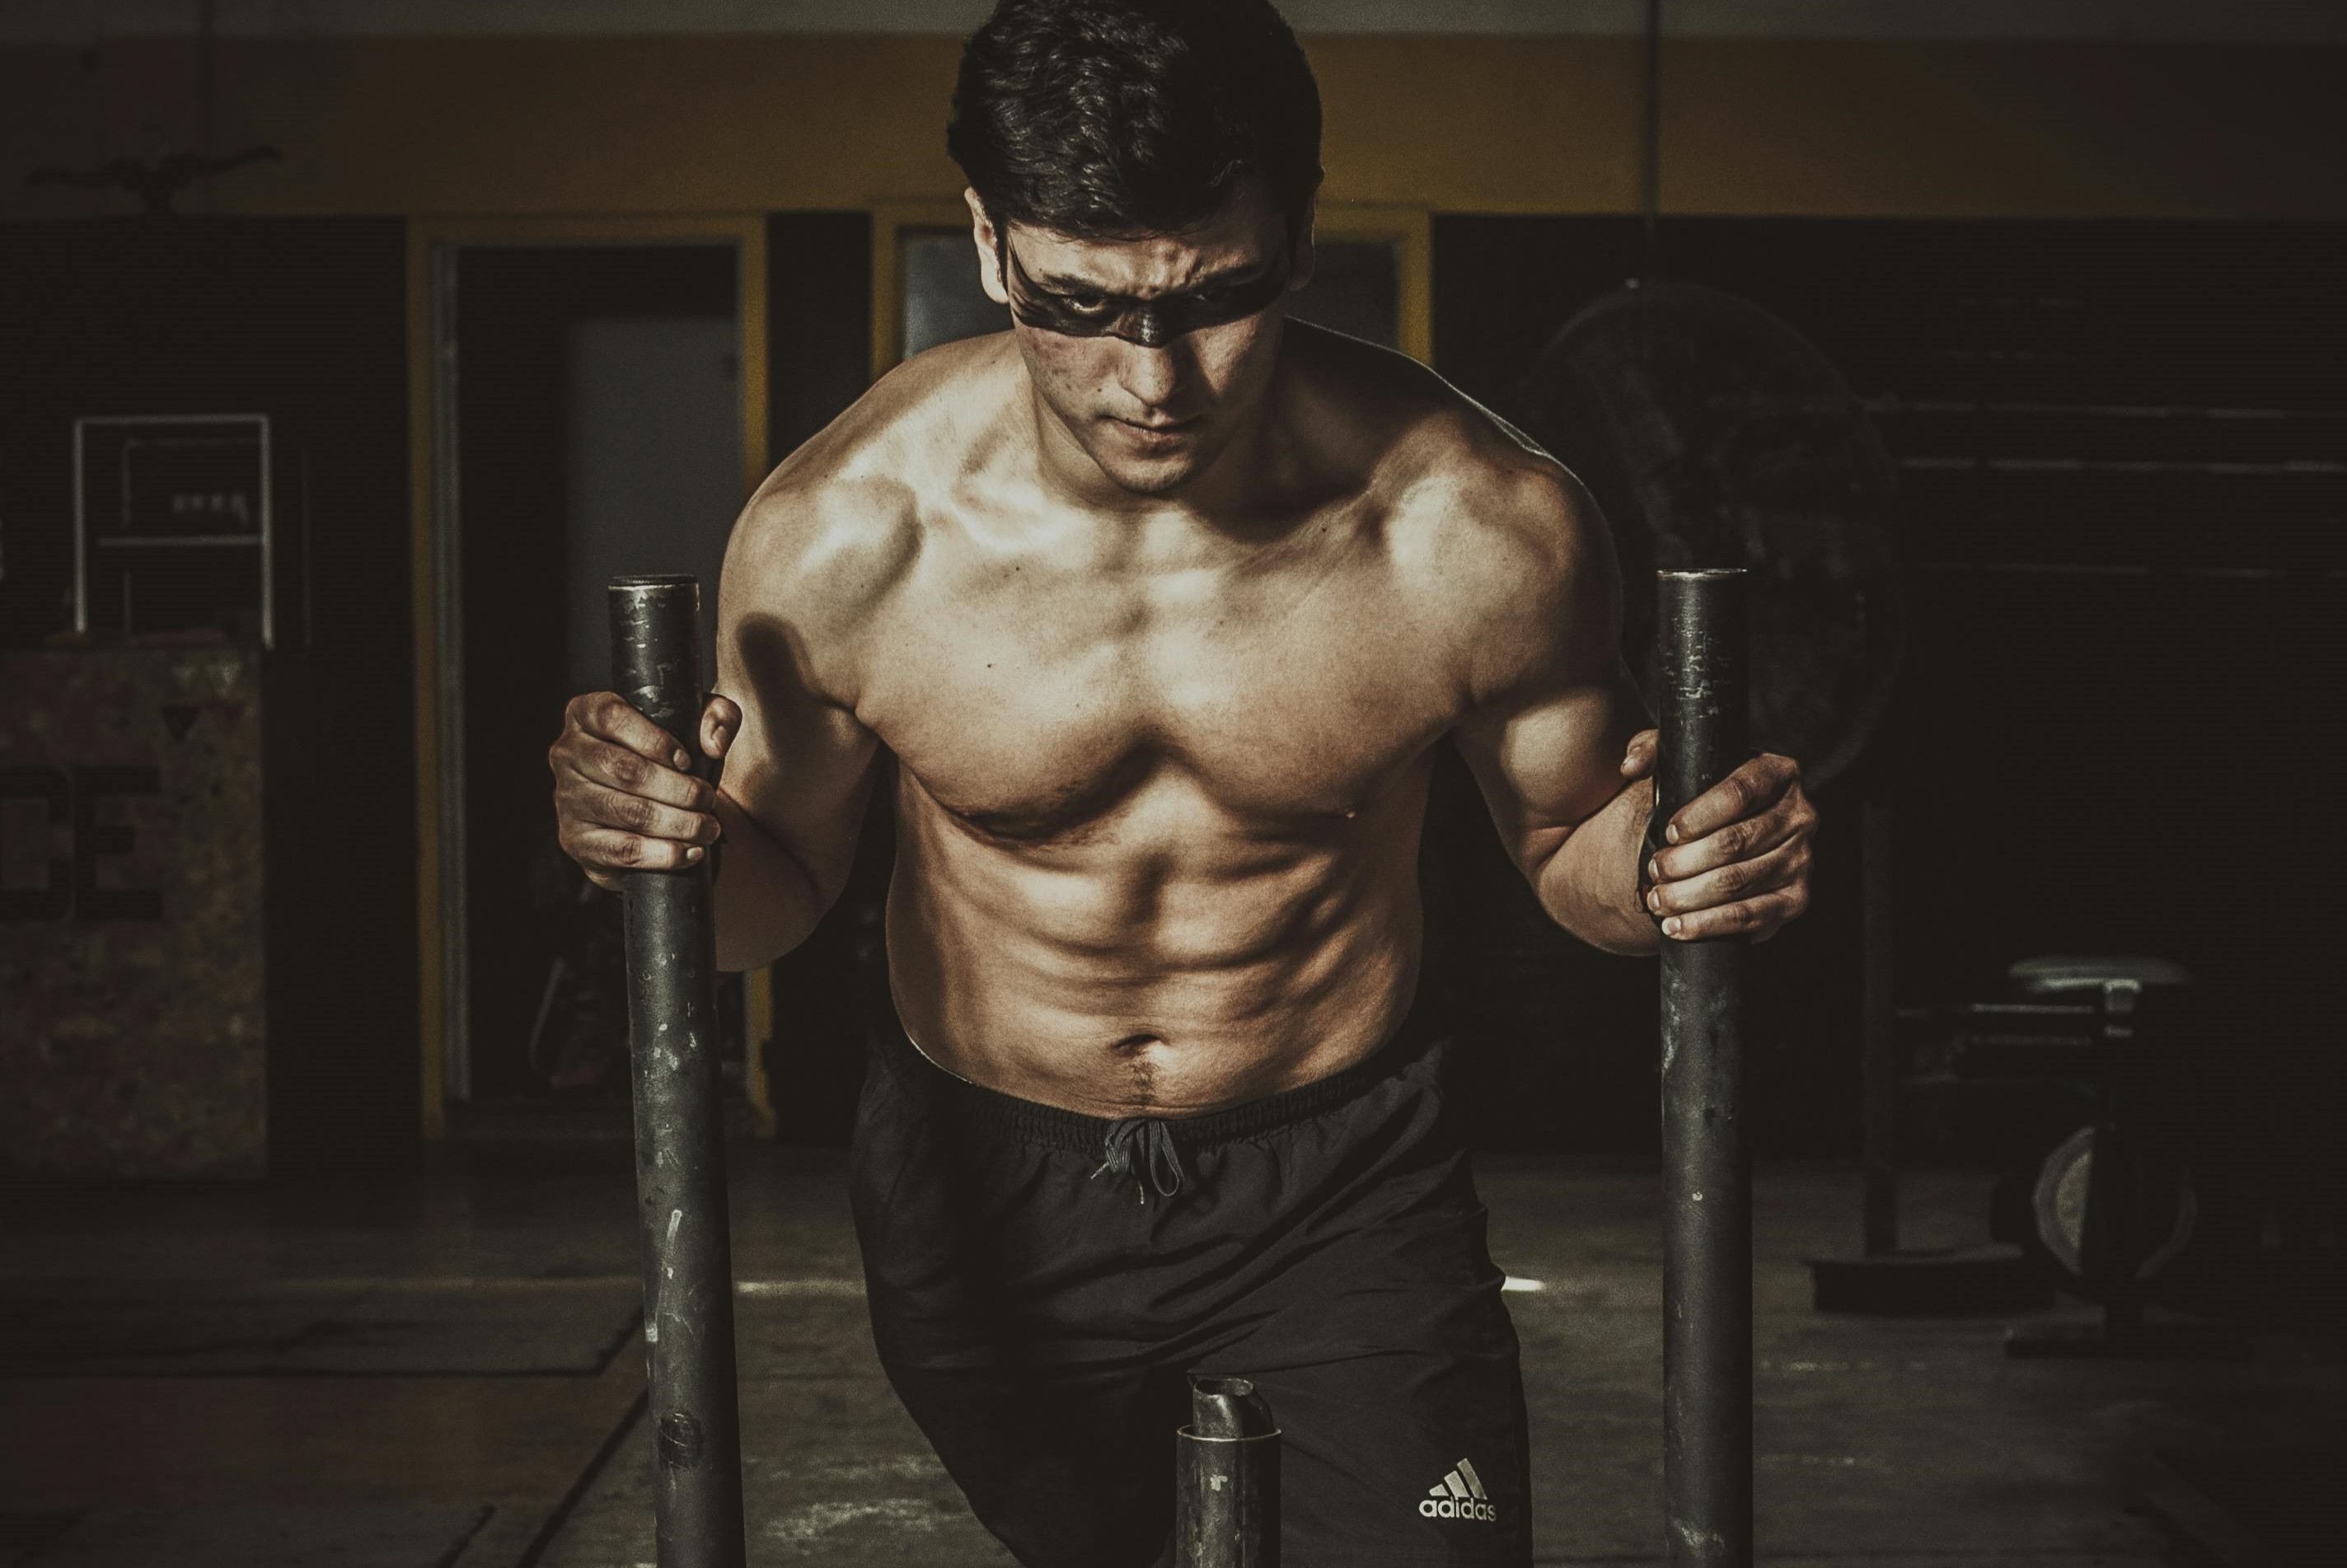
[436, 1368]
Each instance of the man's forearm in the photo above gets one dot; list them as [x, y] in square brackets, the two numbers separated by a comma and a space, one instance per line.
[1590, 884]
[767, 900]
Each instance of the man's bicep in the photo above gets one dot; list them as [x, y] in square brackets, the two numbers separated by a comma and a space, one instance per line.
[1548, 756]
[1554, 706]
[803, 765]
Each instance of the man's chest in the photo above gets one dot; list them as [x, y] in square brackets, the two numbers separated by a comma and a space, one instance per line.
[1034, 707]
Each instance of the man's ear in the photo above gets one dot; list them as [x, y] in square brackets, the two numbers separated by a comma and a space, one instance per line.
[989, 249]
[1302, 256]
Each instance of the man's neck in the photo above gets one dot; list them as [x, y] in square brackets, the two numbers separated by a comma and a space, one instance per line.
[1230, 496]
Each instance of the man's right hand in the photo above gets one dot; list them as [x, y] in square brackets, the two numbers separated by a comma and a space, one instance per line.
[623, 797]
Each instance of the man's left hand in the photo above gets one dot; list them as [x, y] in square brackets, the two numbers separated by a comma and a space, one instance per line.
[1736, 857]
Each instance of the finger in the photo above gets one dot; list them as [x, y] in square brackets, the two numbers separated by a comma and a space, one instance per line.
[1640, 755]
[720, 722]
[1779, 868]
[1747, 792]
[591, 805]
[610, 717]
[1791, 817]
[616, 851]
[615, 767]
[1770, 909]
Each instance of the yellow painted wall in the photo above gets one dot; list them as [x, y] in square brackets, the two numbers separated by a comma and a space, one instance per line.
[716, 124]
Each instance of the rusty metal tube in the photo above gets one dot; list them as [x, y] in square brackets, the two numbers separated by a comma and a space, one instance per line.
[672, 1043]
[1226, 1479]
[1706, 1172]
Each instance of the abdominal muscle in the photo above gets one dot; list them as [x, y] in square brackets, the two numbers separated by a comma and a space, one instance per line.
[1108, 981]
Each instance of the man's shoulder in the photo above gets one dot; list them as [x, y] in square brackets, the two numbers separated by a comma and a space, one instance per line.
[1434, 460]
[839, 521]
[1494, 537]
[1468, 494]
[821, 541]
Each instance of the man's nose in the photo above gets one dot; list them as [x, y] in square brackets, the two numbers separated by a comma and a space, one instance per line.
[1153, 376]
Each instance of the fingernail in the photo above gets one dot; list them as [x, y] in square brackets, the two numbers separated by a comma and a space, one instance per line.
[1655, 869]
[1671, 927]
[1654, 900]
[683, 760]
[1671, 834]
[693, 853]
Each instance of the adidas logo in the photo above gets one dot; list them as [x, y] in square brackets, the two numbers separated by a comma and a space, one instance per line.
[1460, 1495]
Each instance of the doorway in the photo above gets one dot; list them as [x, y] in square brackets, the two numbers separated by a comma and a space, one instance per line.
[597, 407]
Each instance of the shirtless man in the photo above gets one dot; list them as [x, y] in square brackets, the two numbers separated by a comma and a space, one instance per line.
[1150, 613]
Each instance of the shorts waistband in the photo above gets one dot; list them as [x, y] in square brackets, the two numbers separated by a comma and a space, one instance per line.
[1051, 1125]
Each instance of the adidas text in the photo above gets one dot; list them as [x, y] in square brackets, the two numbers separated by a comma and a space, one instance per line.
[1458, 1508]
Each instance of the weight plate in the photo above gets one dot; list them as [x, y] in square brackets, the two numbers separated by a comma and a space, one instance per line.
[2170, 1208]
[1713, 434]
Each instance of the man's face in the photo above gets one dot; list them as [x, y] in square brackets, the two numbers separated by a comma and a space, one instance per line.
[1152, 353]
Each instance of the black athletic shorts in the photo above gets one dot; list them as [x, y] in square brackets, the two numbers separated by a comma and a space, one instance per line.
[1042, 1283]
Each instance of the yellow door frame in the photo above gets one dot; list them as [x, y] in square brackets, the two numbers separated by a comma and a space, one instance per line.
[425, 237]
[1410, 229]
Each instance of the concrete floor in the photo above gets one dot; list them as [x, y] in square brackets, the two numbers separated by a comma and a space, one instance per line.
[435, 1369]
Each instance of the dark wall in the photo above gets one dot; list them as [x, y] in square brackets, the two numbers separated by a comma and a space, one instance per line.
[515, 305]
[830, 989]
[303, 320]
[2123, 453]
[819, 321]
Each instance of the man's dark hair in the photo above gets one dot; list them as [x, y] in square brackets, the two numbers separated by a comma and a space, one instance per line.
[1107, 119]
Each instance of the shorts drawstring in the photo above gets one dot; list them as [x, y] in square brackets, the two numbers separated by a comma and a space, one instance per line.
[1159, 1163]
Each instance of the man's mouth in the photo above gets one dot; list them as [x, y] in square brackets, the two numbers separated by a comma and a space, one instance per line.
[1155, 429]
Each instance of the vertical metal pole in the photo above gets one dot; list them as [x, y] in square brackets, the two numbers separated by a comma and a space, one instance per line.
[1706, 1175]
[81, 527]
[671, 944]
[2110, 1248]
[268, 539]
[1226, 1479]
[448, 587]
[1650, 143]
[1880, 1027]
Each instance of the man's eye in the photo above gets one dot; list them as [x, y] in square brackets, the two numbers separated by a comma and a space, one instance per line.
[1086, 304]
